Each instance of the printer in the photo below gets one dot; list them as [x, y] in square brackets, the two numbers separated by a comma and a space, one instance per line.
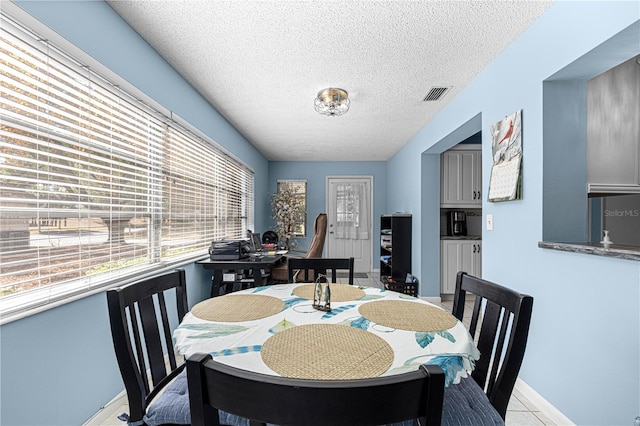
[229, 249]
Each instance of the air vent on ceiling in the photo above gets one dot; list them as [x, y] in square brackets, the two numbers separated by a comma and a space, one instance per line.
[435, 94]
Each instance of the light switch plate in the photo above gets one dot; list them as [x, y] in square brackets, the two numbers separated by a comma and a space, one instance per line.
[489, 222]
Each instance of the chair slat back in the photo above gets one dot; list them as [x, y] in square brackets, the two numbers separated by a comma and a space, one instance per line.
[285, 401]
[153, 337]
[503, 316]
[141, 333]
[307, 269]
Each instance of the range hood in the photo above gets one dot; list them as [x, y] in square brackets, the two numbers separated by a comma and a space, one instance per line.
[605, 189]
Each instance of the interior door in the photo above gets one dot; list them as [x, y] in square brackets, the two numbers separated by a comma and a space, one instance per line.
[346, 205]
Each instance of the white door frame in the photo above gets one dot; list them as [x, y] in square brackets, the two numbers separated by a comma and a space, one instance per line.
[327, 202]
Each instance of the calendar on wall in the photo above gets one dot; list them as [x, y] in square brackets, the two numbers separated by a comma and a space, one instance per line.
[506, 172]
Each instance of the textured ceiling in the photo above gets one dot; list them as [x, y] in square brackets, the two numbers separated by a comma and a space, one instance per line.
[261, 64]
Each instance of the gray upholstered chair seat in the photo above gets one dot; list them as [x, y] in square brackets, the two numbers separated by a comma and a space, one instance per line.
[467, 404]
[172, 407]
[464, 404]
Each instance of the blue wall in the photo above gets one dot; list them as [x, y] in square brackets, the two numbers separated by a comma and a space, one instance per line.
[584, 344]
[583, 354]
[315, 173]
[58, 367]
[564, 155]
[426, 241]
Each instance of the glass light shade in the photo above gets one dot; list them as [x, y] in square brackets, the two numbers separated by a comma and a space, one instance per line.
[332, 102]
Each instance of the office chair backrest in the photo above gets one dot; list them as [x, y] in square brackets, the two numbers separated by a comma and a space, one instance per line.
[141, 334]
[280, 273]
[307, 269]
[285, 401]
[319, 236]
[503, 334]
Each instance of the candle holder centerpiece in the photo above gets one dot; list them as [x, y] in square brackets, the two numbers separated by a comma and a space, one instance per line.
[322, 294]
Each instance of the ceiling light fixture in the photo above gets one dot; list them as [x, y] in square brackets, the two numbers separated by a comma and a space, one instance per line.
[332, 102]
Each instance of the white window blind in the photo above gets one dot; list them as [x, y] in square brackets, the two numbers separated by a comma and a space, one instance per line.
[96, 186]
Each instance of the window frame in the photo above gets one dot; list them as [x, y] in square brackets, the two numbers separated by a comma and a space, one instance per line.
[30, 302]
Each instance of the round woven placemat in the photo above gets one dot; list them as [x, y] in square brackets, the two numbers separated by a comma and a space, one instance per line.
[405, 315]
[339, 292]
[239, 307]
[327, 352]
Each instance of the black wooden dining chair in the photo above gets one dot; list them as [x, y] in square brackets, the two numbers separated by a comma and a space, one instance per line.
[504, 316]
[285, 401]
[140, 330]
[307, 269]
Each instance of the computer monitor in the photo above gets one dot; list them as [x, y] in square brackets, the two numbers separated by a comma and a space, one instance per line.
[256, 242]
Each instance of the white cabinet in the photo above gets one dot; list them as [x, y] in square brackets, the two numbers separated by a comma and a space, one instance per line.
[455, 256]
[461, 178]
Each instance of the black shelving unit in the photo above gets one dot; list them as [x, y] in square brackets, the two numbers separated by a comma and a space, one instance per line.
[395, 249]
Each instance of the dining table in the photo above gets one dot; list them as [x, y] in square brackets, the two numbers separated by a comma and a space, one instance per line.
[368, 332]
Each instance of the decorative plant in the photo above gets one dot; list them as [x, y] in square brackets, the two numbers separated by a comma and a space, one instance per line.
[289, 212]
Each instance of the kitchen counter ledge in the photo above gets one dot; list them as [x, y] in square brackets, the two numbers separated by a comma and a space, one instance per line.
[615, 250]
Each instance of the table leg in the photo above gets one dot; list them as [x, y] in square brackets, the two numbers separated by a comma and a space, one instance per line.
[216, 282]
[249, 275]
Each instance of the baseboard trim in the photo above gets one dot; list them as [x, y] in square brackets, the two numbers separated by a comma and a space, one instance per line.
[108, 411]
[542, 404]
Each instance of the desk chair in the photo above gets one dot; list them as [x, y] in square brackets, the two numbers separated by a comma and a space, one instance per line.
[139, 318]
[285, 401]
[502, 339]
[306, 270]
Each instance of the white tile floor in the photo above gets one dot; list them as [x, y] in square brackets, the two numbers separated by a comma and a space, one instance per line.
[520, 412]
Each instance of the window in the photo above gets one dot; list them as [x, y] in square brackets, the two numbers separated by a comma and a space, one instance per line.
[94, 185]
[299, 190]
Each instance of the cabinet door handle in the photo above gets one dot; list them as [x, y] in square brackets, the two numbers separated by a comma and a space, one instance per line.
[474, 195]
[478, 248]
[474, 248]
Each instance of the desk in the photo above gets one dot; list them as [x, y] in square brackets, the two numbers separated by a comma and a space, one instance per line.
[369, 332]
[253, 264]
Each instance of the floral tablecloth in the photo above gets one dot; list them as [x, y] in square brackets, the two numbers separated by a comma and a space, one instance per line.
[234, 330]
